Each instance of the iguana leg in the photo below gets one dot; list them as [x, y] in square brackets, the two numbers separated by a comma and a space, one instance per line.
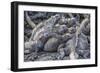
[61, 53]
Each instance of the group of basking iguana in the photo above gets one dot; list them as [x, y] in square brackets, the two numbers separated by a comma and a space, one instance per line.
[61, 34]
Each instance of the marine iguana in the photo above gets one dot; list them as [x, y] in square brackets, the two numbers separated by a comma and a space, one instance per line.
[41, 33]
